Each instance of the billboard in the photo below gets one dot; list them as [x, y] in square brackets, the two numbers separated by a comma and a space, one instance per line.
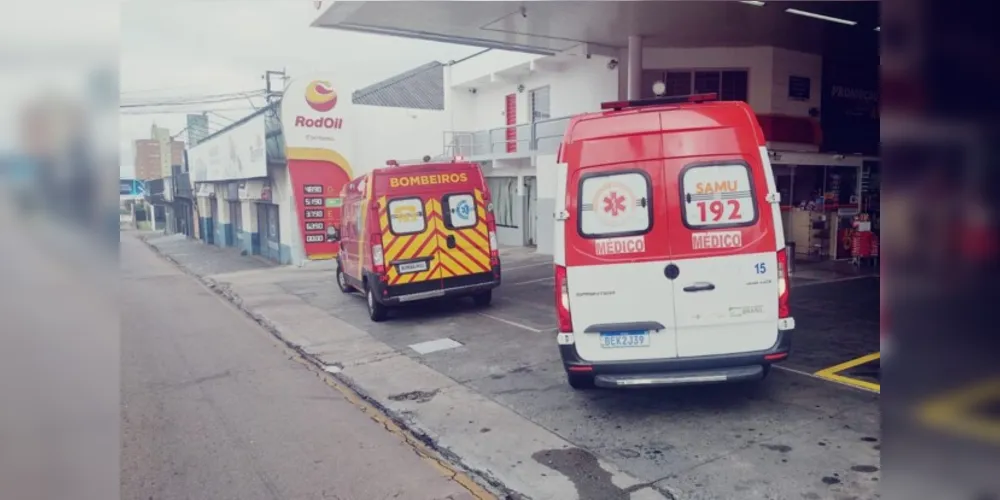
[237, 153]
[316, 119]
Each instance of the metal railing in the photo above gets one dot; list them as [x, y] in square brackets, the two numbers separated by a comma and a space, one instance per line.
[540, 136]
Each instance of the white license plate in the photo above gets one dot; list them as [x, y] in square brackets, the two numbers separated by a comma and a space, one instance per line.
[411, 267]
[625, 339]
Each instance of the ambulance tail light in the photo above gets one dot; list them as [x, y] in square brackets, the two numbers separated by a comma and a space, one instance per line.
[494, 248]
[562, 301]
[378, 259]
[784, 310]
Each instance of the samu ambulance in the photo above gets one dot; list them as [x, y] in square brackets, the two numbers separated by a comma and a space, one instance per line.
[670, 263]
[413, 232]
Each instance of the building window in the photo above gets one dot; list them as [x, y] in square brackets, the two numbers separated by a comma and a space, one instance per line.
[503, 193]
[731, 85]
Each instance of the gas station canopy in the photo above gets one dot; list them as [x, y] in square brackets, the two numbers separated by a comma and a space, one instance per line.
[549, 27]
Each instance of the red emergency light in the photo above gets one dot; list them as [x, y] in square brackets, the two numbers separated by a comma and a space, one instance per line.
[392, 163]
[659, 101]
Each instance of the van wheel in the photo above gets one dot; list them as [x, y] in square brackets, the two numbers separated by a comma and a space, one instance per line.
[483, 299]
[376, 310]
[580, 382]
[342, 282]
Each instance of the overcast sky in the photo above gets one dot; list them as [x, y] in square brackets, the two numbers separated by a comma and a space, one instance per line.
[190, 48]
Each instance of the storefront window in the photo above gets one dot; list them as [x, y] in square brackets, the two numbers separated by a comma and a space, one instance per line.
[808, 184]
[841, 186]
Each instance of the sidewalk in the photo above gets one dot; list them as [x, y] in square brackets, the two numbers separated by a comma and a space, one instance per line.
[494, 443]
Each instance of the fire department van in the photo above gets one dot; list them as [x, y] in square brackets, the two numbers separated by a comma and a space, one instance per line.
[416, 232]
[670, 263]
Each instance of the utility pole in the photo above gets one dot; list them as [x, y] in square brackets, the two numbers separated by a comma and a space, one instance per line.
[269, 93]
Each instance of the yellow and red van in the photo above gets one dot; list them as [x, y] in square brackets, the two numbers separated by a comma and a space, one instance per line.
[414, 232]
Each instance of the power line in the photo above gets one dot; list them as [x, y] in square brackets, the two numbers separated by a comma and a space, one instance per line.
[196, 100]
[175, 111]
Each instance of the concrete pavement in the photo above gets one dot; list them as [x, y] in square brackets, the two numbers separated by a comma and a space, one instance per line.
[494, 397]
[215, 407]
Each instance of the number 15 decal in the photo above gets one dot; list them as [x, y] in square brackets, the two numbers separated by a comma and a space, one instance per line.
[760, 267]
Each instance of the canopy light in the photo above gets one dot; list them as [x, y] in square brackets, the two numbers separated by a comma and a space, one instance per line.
[753, 2]
[878, 28]
[820, 16]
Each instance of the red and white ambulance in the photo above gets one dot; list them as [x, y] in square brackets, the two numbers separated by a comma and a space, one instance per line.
[670, 261]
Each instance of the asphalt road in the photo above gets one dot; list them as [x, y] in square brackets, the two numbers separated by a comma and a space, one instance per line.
[214, 407]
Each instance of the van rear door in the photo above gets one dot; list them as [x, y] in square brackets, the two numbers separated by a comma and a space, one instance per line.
[465, 241]
[410, 242]
[724, 247]
[616, 247]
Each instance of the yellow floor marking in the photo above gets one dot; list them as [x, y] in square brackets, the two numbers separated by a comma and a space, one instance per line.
[833, 373]
[953, 412]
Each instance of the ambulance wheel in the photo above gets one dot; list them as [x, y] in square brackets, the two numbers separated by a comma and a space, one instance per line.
[483, 299]
[579, 381]
[342, 282]
[376, 310]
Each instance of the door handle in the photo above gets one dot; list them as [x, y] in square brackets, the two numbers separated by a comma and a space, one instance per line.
[450, 240]
[701, 286]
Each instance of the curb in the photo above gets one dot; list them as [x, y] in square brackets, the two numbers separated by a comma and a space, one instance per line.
[480, 484]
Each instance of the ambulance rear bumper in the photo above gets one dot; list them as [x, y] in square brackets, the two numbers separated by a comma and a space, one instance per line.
[678, 371]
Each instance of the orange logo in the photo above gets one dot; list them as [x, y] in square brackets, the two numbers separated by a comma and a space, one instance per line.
[321, 96]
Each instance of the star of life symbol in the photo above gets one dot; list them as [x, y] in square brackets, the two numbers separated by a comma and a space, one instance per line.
[464, 210]
[614, 204]
[611, 203]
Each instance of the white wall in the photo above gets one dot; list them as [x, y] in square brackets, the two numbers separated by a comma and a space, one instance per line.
[791, 63]
[383, 133]
[282, 195]
[759, 62]
[487, 63]
[577, 85]
[769, 69]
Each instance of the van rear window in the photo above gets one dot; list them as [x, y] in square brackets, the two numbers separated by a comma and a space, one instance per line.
[615, 204]
[718, 195]
[460, 211]
[406, 216]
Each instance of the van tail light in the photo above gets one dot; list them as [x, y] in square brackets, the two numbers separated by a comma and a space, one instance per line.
[494, 248]
[378, 259]
[562, 301]
[784, 310]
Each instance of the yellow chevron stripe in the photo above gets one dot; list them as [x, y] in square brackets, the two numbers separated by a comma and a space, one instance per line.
[479, 197]
[452, 267]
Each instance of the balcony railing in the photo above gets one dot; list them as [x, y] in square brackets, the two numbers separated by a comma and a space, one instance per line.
[538, 137]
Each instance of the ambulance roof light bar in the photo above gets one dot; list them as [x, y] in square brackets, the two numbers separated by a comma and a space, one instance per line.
[392, 163]
[457, 159]
[659, 101]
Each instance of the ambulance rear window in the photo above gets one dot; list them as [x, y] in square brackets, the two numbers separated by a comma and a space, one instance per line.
[718, 196]
[615, 204]
[406, 216]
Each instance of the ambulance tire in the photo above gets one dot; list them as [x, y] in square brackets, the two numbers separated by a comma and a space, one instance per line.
[579, 381]
[342, 281]
[483, 299]
[376, 310]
